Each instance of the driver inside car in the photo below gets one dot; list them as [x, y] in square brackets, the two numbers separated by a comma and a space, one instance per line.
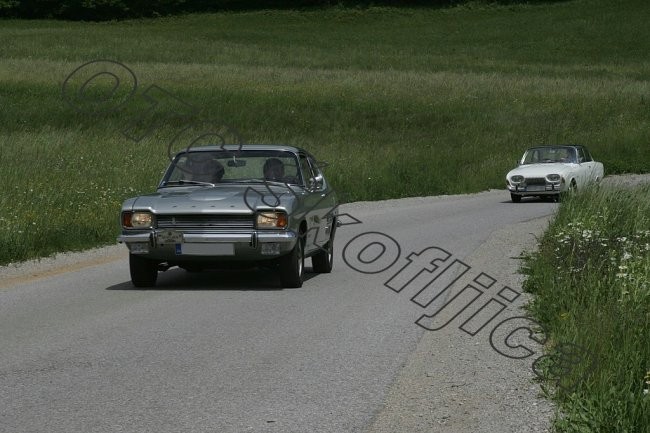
[274, 170]
[207, 170]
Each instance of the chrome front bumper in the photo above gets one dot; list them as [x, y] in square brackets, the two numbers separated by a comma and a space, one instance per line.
[549, 188]
[252, 245]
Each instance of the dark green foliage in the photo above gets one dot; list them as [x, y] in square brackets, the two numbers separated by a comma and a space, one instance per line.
[91, 10]
[8, 5]
[105, 10]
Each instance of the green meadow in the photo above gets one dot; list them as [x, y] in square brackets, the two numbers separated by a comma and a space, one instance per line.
[399, 101]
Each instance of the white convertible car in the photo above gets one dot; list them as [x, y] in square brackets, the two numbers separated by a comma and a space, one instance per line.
[547, 171]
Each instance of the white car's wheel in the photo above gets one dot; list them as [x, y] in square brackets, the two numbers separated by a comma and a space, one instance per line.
[515, 198]
[573, 188]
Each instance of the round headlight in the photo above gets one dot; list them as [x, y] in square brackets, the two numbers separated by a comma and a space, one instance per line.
[517, 179]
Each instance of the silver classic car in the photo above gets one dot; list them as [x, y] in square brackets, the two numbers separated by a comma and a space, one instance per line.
[548, 171]
[222, 206]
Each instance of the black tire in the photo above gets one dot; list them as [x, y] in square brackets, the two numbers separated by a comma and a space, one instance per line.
[192, 268]
[323, 261]
[144, 272]
[515, 198]
[292, 267]
[573, 188]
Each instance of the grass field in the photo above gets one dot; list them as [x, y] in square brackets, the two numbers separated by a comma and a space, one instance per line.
[401, 102]
[591, 278]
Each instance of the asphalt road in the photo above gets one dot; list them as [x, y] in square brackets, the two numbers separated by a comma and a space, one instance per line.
[228, 351]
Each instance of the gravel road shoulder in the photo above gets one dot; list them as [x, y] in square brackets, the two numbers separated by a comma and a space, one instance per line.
[14, 273]
[457, 383]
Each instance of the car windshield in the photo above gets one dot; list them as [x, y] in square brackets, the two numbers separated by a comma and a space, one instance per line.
[224, 166]
[540, 155]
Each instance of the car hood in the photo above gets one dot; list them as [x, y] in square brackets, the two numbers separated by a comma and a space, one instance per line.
[218, 199]
[541, 170]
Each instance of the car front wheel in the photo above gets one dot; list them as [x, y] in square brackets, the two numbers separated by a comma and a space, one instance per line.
[192, 268]
[573, 188]
[144, 272]
[292, 267]
[323, 260]
[515, 198]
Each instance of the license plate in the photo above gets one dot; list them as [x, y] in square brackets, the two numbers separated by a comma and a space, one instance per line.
[169, 237]
[536, 188]
[206, 249]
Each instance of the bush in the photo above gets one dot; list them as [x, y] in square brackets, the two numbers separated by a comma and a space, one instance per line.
[91, 10]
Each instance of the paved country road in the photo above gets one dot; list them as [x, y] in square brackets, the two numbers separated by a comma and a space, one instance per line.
[81, 350]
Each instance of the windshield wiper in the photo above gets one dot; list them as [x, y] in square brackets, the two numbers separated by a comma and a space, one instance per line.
[242, 181]
[186, 182]
[259, 181]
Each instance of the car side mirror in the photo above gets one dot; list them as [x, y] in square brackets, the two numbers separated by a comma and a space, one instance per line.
[317, 182]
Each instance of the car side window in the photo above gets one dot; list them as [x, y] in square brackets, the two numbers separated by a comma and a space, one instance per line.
[587, 155]
[307, 173]
[318, 174]
[581, 155]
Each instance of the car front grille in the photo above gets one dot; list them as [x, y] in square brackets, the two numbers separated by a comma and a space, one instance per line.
[535, 181]
[205, 222]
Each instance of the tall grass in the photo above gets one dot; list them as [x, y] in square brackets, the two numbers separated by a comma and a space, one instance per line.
[401, 102]
[591, 280]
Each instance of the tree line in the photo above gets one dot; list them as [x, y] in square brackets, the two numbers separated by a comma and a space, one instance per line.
[103, 10]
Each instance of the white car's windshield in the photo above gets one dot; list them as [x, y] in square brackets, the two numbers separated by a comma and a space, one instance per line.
[219, 166]
[540, 155]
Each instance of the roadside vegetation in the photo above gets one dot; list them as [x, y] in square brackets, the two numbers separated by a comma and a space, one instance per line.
[400, 102]
[591, 281]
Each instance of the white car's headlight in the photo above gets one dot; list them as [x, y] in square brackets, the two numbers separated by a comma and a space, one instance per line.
[272, 220]
[517, 179]
[553, 177]
[137, 220]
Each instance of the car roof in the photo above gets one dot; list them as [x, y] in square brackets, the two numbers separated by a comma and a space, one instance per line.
[244, 147]
[546, 146]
